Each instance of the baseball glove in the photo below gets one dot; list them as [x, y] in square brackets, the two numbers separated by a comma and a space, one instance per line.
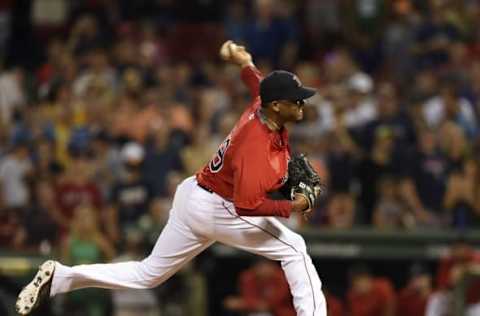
[302, 179]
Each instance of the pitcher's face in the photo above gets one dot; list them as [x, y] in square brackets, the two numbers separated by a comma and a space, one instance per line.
[291, 111]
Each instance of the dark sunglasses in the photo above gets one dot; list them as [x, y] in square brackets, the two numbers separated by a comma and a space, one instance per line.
[300, 102]
[296, 102]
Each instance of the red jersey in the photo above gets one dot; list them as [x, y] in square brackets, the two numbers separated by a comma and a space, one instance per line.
[444, 273]
[374, 303]
[334, 305]
[71, 195]
[251, 161]
[412, 303]
[273, 291]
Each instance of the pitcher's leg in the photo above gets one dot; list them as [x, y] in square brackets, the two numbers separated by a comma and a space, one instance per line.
[268, 237]
[175, 246]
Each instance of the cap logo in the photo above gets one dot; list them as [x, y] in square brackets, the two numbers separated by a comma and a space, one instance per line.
[299, 84]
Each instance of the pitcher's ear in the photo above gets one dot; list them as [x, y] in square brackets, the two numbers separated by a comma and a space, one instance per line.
[275, 106]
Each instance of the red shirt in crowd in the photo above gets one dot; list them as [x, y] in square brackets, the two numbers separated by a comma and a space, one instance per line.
[444, 273]
[373, 303]
[272, 290]
[410, 302]
[252, 161]
[334, 305]
[69, 196]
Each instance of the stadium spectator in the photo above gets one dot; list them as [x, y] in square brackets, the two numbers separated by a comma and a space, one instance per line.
[107, 161]
[162, 155]
[234, 22]
[424, 187]
[97, 71]
[391, 210]
[361, 107]
[12, 93]
[398, 38]
[412, 299]
[199, 152]
[350, 101]
[381, 160]
[75, 188]
[449, 106]
[41, 226]
[434, 35]
[84, 36]
[364, 23]
[369, 295]
[459, 200]
[461, 259]
[341, 211]
[87, 244]
[323, 24]
[334, 304]
[131, 194]
[45, 164]
[263, 289]
[15, 168]
[391, 115]
[269, 35]
[341, 161]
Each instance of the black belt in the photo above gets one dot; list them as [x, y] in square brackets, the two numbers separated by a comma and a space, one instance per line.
[205, 188]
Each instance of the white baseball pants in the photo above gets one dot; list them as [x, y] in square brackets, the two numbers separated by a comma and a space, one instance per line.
[197, 220]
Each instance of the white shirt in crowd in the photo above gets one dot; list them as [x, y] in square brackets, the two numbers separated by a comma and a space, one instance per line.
[15, 191]
[11, 95]
[359, 115]
[434, 111]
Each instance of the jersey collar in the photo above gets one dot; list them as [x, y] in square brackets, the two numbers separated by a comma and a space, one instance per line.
[279, 138]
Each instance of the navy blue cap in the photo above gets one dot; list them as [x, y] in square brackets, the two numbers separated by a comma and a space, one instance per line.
[283, 85]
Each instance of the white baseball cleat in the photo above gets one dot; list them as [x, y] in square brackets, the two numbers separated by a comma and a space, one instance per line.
[37, 290]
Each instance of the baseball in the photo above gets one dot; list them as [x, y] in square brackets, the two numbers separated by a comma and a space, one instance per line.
[225, 50]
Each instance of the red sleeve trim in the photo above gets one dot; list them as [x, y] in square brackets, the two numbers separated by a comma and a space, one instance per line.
[268, 207]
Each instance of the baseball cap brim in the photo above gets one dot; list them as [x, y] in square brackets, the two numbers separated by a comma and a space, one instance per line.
[303, 93]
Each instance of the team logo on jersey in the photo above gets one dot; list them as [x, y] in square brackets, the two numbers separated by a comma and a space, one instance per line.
[216, 163]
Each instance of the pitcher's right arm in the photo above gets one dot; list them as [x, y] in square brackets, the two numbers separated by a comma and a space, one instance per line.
[238, 55]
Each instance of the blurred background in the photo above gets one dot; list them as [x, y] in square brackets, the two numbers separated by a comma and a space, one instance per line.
[106, 105]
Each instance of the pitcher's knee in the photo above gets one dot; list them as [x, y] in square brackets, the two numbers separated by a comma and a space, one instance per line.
[151, 282]
[298, 250]
[150, 275]
[298, 243]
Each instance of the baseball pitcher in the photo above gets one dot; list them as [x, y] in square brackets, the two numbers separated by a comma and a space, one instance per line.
[225, 202]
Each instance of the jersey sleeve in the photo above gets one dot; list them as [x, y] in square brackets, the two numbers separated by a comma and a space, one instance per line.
[252, 181]
[251, 76]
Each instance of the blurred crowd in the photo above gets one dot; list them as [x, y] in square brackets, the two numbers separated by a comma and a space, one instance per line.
[124, 101]
[118, 110]
[263, 290]
[105, 106]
